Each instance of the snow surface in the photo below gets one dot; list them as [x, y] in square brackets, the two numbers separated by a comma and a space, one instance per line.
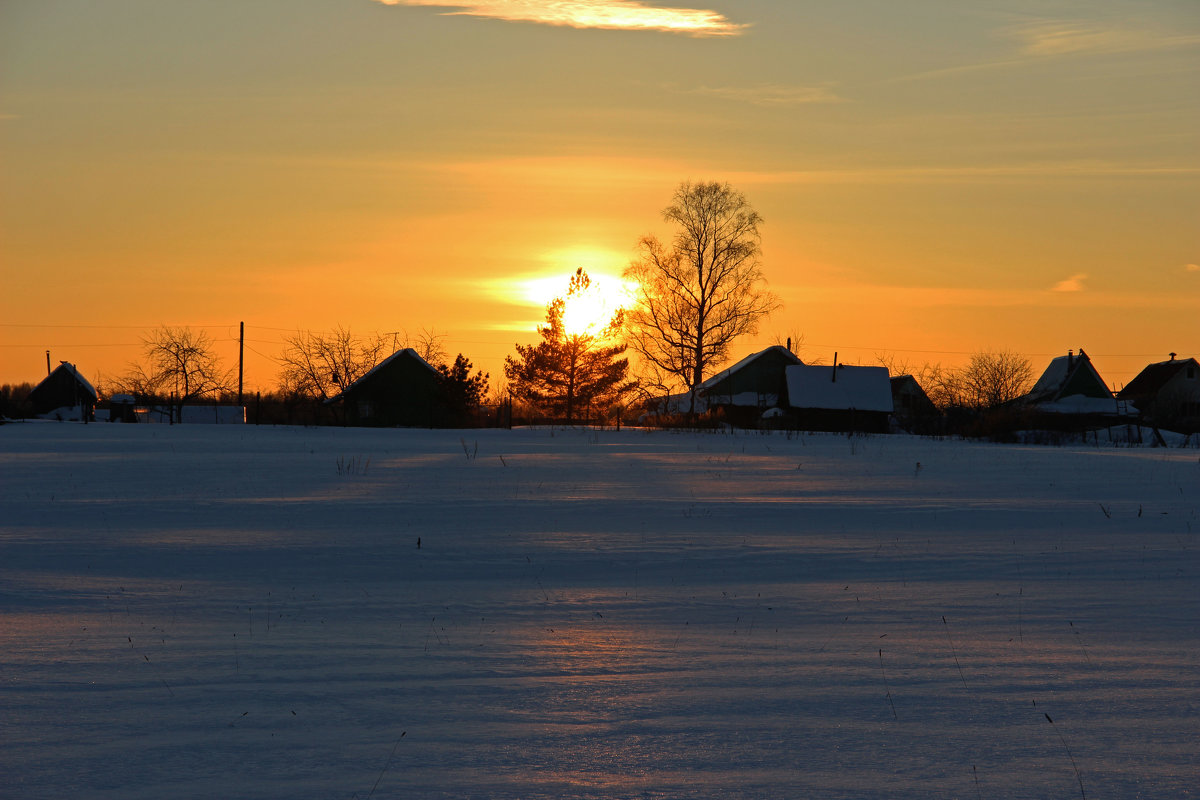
[234, 611]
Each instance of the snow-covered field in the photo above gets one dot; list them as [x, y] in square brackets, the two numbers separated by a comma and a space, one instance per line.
[241, 612]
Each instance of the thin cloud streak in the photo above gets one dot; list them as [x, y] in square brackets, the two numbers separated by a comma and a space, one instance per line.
[1070, 38]
[629, 15]
[771, 94]
[638, 172]
[1018, 172]
[884, 295]
[1071, 284]
[1055, 39]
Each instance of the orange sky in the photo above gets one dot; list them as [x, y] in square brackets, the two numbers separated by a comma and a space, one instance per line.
[936, 179]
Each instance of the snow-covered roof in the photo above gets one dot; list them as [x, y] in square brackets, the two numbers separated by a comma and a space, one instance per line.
[1070, 373]
[682, 403]
[70, 369]
[858, 388]
[1054, 376]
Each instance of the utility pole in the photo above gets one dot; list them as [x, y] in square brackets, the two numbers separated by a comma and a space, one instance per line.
[47, 363]
[241, 357]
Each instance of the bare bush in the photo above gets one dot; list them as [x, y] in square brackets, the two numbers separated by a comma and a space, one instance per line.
[320, 365]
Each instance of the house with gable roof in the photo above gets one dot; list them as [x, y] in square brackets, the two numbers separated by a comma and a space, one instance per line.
[64, 394]
[751, 387]
[1071, 395]
[403, 390]
[1167, 394]
[745, 392]
[1071, 385]
[912, 409]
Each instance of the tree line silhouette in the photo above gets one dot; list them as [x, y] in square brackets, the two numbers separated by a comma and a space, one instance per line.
[696, 294]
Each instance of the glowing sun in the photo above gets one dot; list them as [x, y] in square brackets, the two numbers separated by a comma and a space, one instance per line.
[587, 312]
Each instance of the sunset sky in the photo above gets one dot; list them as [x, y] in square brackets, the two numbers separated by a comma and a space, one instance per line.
[937, 178]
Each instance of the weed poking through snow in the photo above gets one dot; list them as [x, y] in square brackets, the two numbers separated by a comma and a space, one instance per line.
[1074, 766]
[887, 688]
[353, 465]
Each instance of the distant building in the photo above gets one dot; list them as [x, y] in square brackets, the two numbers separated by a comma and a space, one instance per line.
[402, 390]
[64, 394]
[840, 398]
[751, 387]
[912, 409]
[1167, 394]
[1071, 395]
[1070, 377]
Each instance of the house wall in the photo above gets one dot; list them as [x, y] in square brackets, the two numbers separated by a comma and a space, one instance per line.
[403, 393]
[1177, 405]
[848, 421]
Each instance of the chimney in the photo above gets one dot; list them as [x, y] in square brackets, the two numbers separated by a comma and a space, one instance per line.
[789, 344]
[1070, 359]
[1172, 356]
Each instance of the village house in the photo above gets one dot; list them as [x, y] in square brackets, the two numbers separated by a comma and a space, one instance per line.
[912, 409]
[753, 386]
[64, 394]
[1167, 394]
[1070, 394]
[402, 390]
[840, 398]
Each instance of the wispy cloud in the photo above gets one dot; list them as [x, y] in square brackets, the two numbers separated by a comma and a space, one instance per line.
[965, 173]
[607, 14]
[1053, 39]
[1071, 284]
[1192, 268]
[771, 94]
[1058, 38]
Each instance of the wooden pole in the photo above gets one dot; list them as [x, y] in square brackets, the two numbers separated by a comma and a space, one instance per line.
[241, 357]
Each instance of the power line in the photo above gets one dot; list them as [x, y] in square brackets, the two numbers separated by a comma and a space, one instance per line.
[88, 344]
[803, 345]
[104, 327]
[263, 355]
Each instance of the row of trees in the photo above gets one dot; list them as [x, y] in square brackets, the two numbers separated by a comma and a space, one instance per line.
[180, 367]
[696, 294]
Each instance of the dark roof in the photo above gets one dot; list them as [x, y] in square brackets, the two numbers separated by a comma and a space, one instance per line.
[776, 351]
[1151, 379]
[406, 352]
[909, 385]
[62, 387]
